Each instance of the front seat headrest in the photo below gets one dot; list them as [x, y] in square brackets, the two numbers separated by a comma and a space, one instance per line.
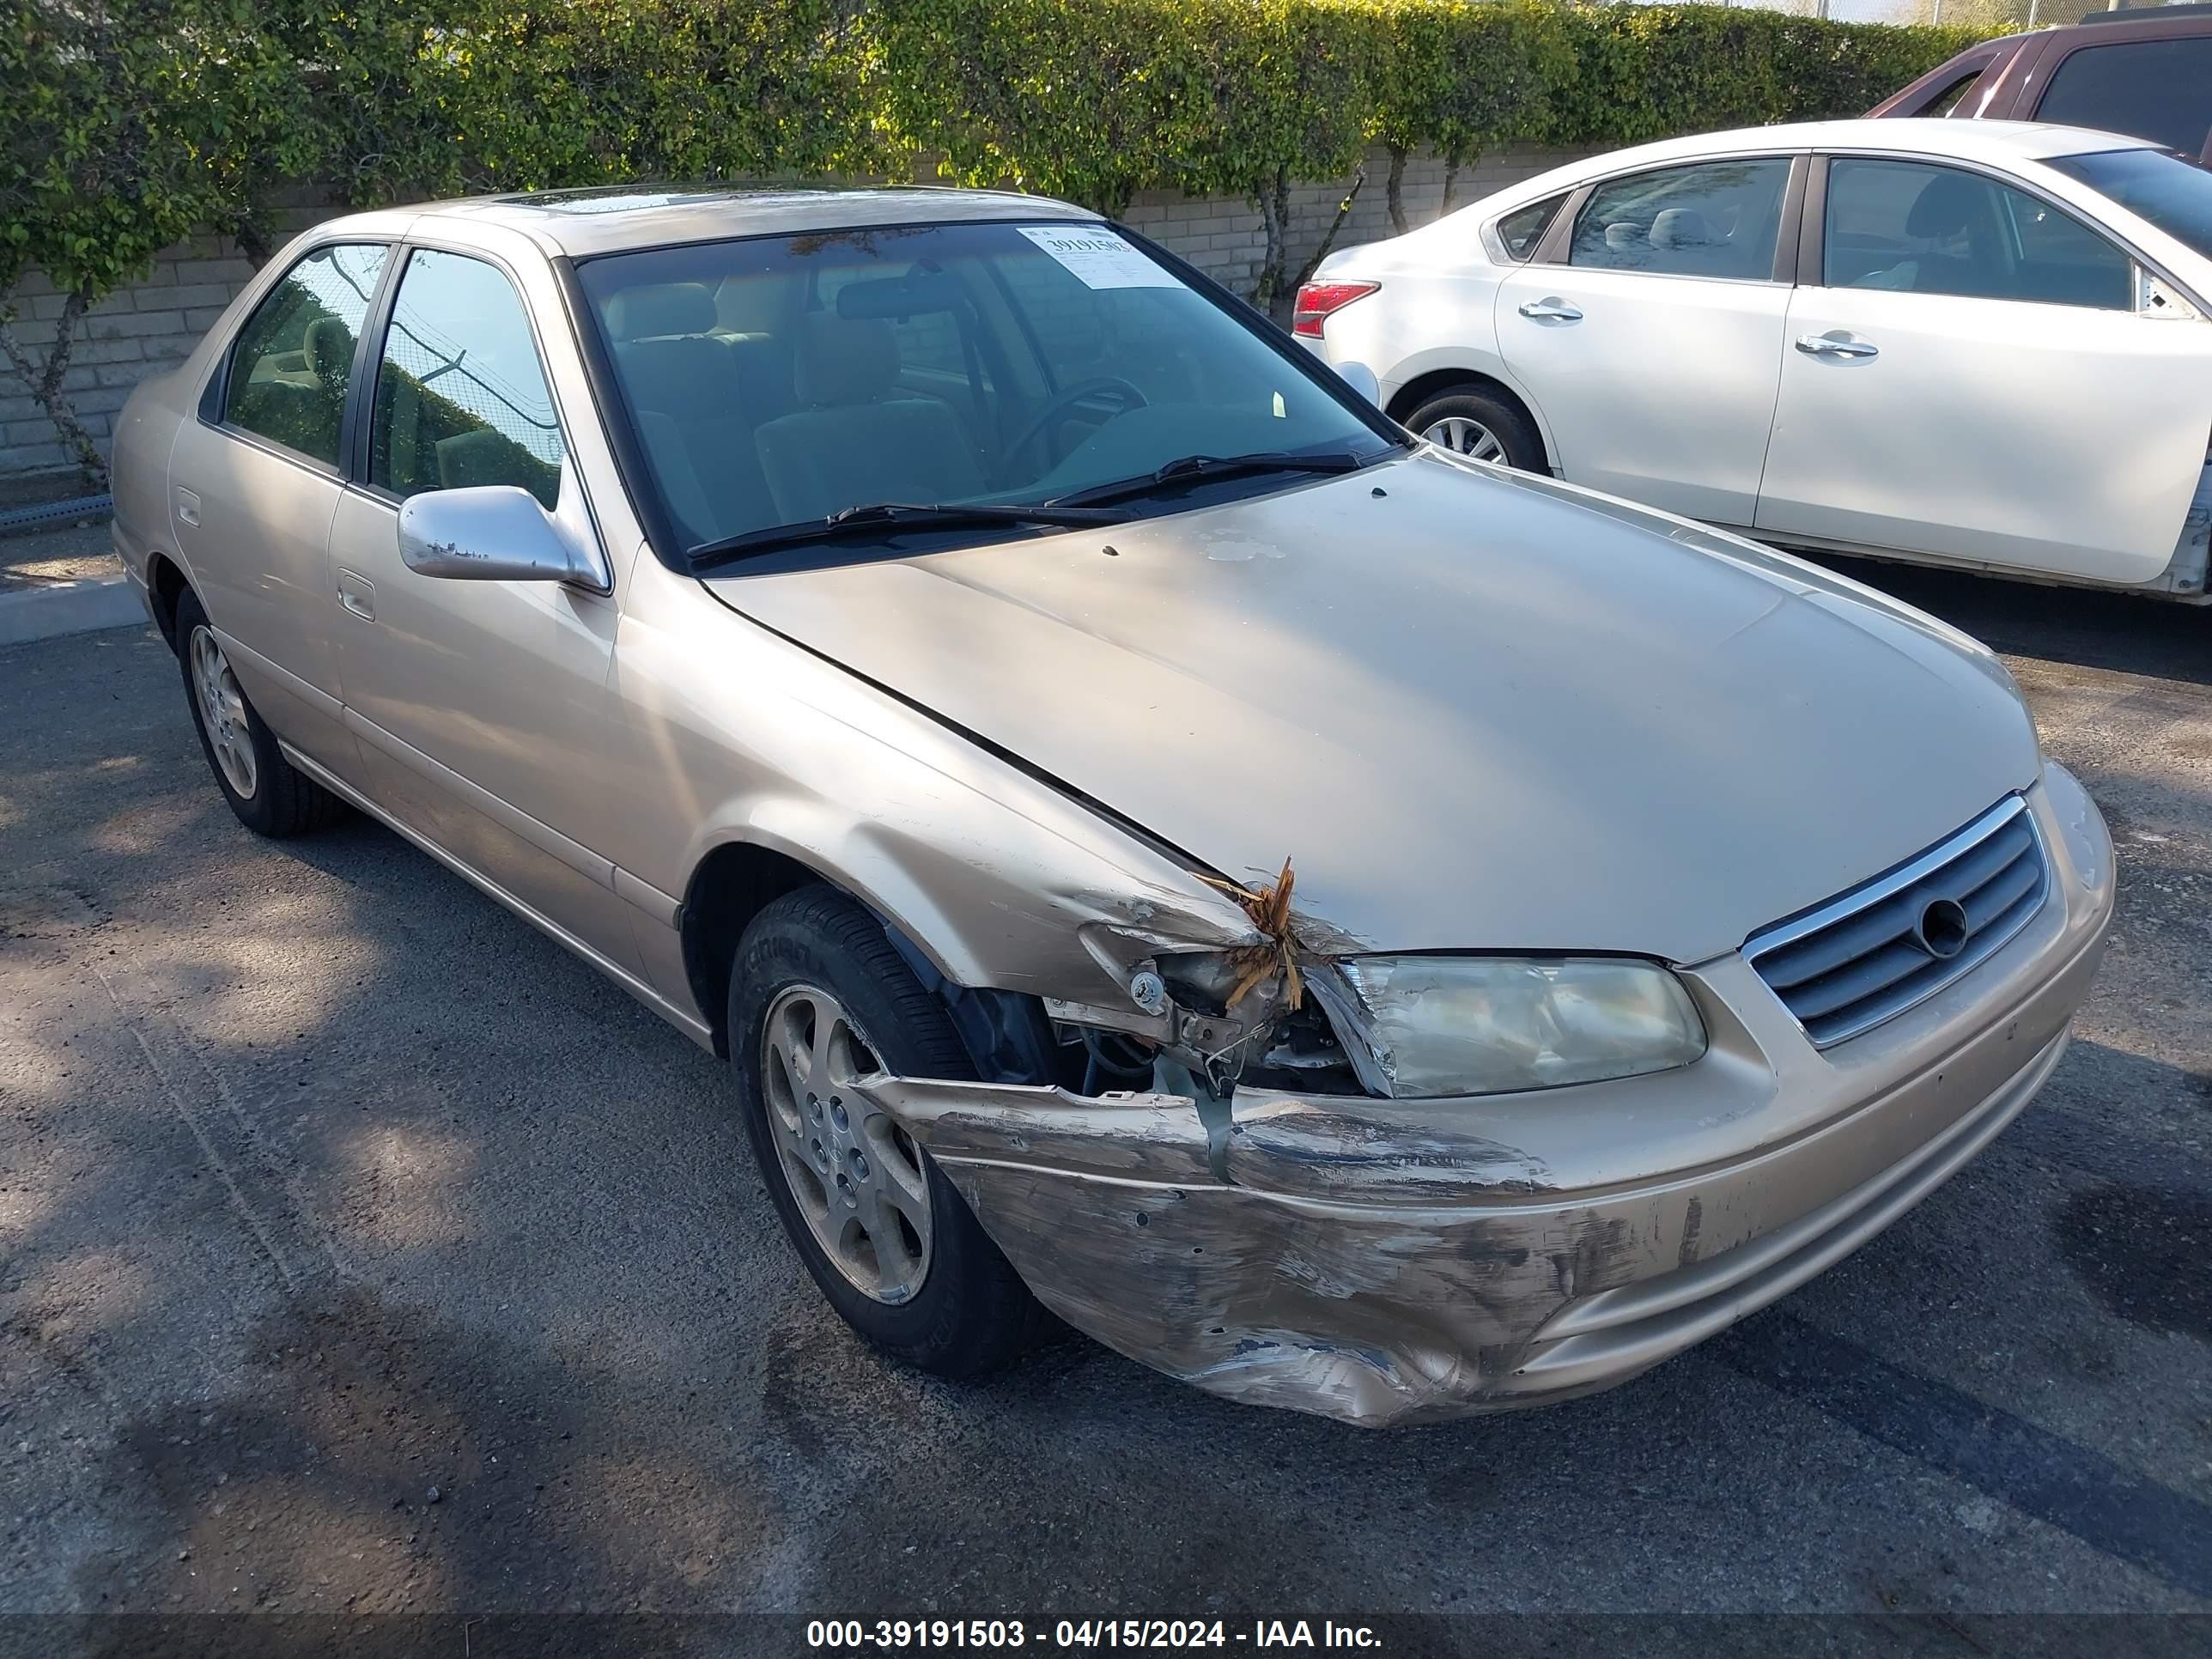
[327, 346]
[843, 360]
[1944, 206]
[661, 308]
[1680, 227]
[1623, 235]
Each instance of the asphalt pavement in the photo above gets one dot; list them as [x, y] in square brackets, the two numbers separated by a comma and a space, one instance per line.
[362, 1254]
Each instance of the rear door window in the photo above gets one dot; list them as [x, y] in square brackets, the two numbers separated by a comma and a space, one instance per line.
[1714, 219]
[293, 361]
[2160, 90]
[1921, 230]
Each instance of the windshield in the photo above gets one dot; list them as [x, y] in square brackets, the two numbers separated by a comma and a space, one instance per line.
[2173, 193]
[779, 380]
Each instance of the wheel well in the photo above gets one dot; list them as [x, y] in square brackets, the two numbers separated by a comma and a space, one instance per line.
[167, 583]
[731, 885]
[1419, 390]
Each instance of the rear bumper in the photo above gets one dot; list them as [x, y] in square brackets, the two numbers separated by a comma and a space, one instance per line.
[1397, 1261]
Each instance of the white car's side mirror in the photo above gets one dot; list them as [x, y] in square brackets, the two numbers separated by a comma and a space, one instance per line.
[1361, 379]
[490, 533]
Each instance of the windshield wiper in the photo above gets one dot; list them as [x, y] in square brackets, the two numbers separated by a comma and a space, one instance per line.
[857, 523]
[1186, 468]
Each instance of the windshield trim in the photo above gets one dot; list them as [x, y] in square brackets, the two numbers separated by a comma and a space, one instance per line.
[636, 474]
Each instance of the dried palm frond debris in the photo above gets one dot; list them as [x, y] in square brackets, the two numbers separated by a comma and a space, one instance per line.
[1269, 907]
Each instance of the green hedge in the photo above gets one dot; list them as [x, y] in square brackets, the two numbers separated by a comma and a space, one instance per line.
[125, 122]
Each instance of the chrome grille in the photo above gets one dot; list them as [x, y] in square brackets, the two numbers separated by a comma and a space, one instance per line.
[1871, 954]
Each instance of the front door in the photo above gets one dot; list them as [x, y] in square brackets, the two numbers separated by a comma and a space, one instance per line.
[479, 706]
[1653, 350]
[1969, 376]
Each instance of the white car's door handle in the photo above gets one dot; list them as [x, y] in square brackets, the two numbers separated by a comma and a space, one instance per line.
[1551, 309]
[1834, 345]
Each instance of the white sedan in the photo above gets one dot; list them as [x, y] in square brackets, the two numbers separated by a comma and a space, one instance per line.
[1969, 343]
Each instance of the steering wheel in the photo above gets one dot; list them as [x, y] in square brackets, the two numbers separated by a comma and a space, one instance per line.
[1059, 407]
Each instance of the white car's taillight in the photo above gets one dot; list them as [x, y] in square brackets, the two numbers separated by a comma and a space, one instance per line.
[1318, 301]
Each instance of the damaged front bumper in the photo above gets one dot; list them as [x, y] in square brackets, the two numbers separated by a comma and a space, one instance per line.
[1398, 1261]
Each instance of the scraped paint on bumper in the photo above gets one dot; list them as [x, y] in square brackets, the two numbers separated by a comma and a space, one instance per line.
[1393, 1261]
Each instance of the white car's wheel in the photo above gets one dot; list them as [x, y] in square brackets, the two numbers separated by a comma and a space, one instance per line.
[1470, 421]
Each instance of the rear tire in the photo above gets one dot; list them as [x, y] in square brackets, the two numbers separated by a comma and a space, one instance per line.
[267, 793]
[1471, 420]
[818, 996]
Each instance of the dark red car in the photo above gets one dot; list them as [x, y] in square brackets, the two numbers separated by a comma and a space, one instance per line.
[2146, 72]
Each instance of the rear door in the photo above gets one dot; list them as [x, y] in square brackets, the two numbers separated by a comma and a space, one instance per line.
[255, 480]
[1650, 333]
[1969, 376]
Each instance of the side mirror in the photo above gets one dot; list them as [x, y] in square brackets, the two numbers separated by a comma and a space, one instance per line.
[493, 533]
[1361, 379]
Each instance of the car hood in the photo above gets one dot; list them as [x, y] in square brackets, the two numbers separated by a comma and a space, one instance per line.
[1478, 710]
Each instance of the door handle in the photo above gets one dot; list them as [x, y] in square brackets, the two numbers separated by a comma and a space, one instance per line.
[1834, 345]
[357, 594]
[188, 506]
[1551, 309]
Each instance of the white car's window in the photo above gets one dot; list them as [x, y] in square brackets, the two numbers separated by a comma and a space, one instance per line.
[2160, 90]
[292, 362]
[1919, 229]
[775, 381]
[460, 395]
[1519, 231]
[1714, 219]
[2173, 194]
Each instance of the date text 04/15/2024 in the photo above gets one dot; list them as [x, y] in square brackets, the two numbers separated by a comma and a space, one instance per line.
[855, 1634]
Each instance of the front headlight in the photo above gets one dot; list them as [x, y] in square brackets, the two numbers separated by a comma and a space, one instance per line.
[1484, 1025]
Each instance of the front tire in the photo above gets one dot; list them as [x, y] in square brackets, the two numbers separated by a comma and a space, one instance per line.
[1470, 421]
[267, 793]
[819, 997]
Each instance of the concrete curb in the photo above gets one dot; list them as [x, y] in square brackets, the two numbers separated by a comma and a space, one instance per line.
[79, 607]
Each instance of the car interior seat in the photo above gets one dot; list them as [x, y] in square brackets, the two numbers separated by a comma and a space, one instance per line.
[1949, 205]
[854, 439]
[697, 401]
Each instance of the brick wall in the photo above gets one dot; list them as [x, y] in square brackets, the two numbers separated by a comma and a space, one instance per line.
[135, 331]
[147, 328]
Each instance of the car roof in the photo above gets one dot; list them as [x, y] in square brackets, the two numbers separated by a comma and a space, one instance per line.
[610, 219]
[1993, 142]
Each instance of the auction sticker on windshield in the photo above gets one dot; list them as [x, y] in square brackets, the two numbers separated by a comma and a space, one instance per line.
[1099, 258]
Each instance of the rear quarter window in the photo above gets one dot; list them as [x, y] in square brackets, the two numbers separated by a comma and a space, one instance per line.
[1519, 231]
[2160, 90]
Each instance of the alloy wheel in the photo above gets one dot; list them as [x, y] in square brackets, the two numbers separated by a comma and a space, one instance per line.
[1466, 437]
[223, 712]
[856, 1174]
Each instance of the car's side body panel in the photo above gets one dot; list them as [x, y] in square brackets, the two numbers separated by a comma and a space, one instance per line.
[737, 734]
